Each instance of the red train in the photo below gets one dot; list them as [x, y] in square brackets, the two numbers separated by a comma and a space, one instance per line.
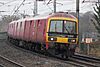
[57, 32]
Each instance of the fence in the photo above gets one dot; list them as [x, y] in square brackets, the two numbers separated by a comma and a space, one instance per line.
[90, 49]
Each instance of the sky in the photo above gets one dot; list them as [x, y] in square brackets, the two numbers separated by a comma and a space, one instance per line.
[8, 7]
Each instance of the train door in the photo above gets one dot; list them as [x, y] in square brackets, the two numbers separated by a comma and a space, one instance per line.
[11, 29]
[16, 24]
[22, 30]
[14, 30]
[26, 30]
[18, 29]
[33, 29]
[40, 30]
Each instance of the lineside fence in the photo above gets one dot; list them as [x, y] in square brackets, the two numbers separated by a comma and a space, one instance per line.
[91, 48]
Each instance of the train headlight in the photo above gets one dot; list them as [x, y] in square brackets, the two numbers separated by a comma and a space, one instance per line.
[52, 39]
[72, 40]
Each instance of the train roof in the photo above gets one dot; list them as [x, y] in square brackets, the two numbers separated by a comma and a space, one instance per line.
[45, 16]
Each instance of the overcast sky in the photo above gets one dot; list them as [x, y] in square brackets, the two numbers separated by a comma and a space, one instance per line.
[9, 6]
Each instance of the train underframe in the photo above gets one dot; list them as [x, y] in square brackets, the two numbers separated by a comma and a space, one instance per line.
[62, 49]
[58, 49]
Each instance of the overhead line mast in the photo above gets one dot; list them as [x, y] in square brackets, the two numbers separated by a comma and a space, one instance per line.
[35, 7]
[54, 4]
[77, 13]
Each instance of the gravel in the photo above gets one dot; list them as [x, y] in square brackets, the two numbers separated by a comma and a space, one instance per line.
[28, 59]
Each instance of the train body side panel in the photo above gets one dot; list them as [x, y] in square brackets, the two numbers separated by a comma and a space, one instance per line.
[9, 30]
[19, 36]
[13, 26]
[18, 30]
[35, 31]
[32, 34]
[22, 30]
[26, 30]
[41, 31]
[15, 30]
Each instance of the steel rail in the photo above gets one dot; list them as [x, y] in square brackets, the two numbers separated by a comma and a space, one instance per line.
[88, 57]
[82, 62]
[2, 65]
[13, 62]
[45, 55]
[72, 61]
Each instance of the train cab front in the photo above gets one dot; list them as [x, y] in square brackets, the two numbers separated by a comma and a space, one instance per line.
[62, 35]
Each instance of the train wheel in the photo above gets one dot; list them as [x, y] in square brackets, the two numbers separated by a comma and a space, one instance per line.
[72, 51]
[16, 42]
[38, 47]
[33, 46]
[21, 44]
[29, 46]
[65, 53]
[25, 45]
[8, 38]
[52, 51]
[57, 50]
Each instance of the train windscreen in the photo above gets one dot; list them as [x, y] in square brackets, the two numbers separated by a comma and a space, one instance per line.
[62, 26]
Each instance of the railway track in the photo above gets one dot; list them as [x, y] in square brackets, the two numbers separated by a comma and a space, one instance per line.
[5, 62]
[84, 63]
[48, 56]
[89, 61]
[95, 59]
[75, 60]
[1, 65]
[81, 61]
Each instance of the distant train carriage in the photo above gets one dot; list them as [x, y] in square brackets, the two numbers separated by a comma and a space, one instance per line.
[57, 32]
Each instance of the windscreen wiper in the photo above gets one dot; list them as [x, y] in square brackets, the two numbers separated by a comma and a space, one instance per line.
[66, 29]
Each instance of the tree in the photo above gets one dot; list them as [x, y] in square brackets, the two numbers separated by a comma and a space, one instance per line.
[97, 17]
[8, 18]
[5, 20]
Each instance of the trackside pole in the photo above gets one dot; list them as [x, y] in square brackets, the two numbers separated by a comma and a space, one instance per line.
[88, 48]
